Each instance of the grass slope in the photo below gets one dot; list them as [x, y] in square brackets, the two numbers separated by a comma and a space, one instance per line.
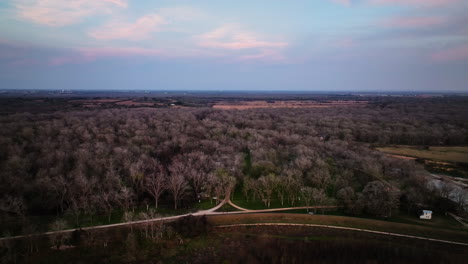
[378, 225]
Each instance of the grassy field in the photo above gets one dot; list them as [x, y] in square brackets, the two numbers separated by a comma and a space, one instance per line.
[459, 235]
[450, 154]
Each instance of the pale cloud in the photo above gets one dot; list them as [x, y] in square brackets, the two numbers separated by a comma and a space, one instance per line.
[141, 29]
[86, 55]
[266, 55]
[83, 55]
[343, 2]
[64, 12]
[414, 22]
[232, 37]
[451, 54]
[181, 13]
[415, 2]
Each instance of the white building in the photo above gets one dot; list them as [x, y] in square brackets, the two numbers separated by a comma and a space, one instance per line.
[426, 214]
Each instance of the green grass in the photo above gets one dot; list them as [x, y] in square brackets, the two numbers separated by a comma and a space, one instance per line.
[450, 154]
[437, 221]
[256, 204]
[205, 204]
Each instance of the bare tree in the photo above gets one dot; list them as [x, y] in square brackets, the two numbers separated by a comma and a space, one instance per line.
[197, 170]
[126, 197]
[293, 186]
[379, 198]
[266, 187]
[318, 197]
[307, 195]
[176, 183]
[347, 198]
[247, 187]
[281, 188]
[461, 196]
[155, 183]
[225, 183]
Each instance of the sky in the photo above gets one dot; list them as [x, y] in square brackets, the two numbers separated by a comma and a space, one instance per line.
[270, 45]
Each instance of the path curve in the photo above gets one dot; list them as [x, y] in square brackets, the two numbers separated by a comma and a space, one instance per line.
[281, 209]
[212, 211]
[169, 218]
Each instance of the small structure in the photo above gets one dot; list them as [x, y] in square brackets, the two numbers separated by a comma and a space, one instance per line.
[324, 137]
[426, 214]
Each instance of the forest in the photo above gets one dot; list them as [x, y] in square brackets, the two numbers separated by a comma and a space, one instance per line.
[97, 160]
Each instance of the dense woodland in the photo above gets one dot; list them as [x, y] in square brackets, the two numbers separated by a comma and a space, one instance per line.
[97, 160]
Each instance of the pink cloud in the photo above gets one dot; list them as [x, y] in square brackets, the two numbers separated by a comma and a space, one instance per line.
[232, 37]
[141, 29]
[119, 52]
[415, 2]
[61, 12]
[343, 2]
[414, 22]
[451, 54]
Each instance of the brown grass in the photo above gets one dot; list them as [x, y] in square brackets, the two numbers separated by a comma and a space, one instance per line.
[459, 235]
[286, 104]
[132, 103]
[436, 153]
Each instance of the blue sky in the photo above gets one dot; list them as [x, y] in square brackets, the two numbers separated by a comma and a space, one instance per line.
[316, 45]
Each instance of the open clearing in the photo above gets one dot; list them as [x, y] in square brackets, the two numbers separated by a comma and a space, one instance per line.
[450, 154]
[459, 235]
[286, 104]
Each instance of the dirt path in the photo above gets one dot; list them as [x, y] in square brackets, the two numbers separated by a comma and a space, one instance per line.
[459, 219]
[349, 228]
[212, 211]
[169, 218]
[244, 210]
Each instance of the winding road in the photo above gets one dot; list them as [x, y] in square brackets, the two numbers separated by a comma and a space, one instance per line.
[212, 211]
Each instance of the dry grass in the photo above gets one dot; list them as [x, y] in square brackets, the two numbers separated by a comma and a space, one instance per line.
[286, 104]
[132, 103]
[451, 154]
[408, 229]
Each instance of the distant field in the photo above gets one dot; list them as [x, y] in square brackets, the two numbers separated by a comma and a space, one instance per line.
[450, 154]
[241, 105]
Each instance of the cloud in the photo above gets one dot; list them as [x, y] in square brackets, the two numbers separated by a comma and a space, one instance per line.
[83, 55]
[452, 54]
[181, 13]
[141, 29]
[414, 22]
[232, 37]
[267, 55]
[64, 12]
[342, 2]
[414, 2]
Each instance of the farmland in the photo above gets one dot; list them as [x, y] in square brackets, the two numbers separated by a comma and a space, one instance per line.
[438, 153]
[242, 105]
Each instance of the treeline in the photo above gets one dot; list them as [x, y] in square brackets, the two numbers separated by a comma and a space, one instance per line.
[98, 160]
